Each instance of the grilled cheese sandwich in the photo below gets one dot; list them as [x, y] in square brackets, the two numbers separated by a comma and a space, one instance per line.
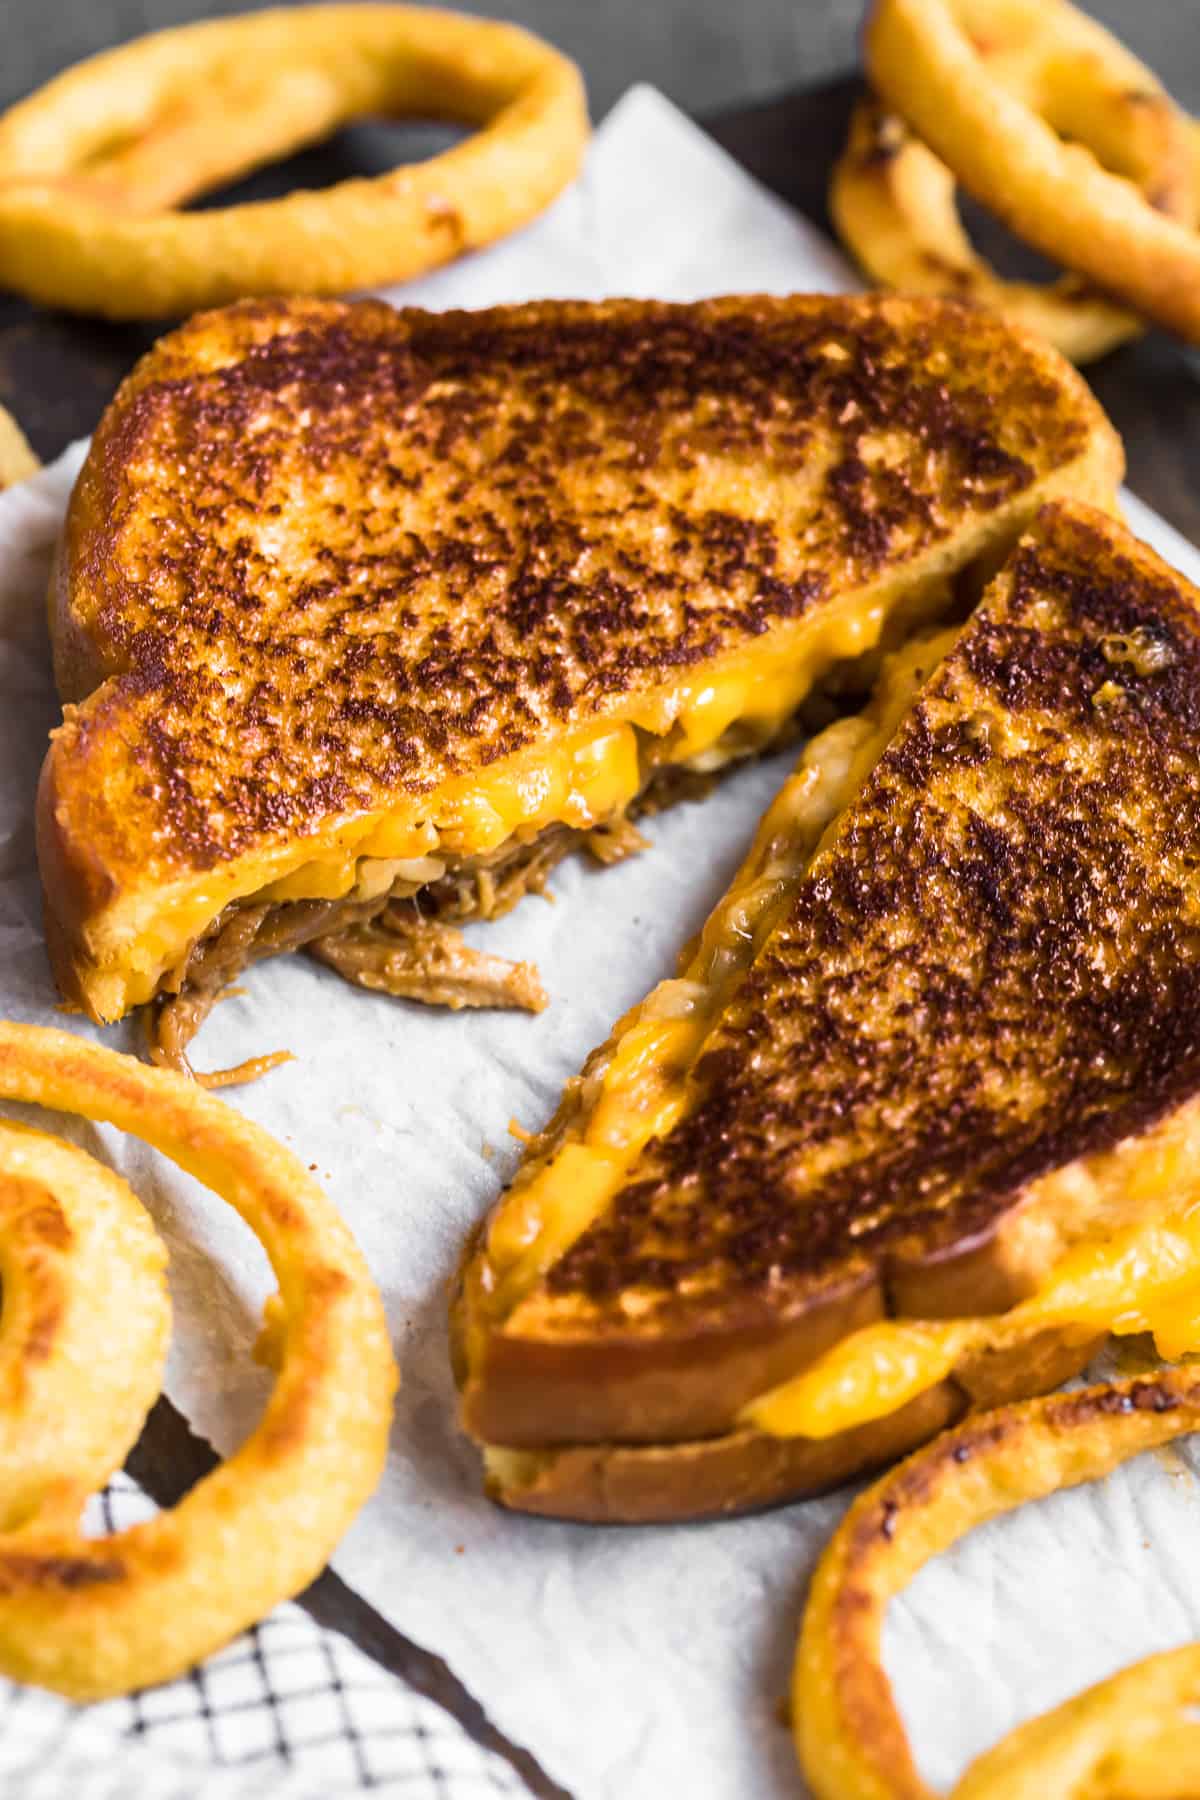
[934, 1133]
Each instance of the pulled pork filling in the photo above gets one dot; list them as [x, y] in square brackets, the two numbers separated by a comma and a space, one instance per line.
[401, 942]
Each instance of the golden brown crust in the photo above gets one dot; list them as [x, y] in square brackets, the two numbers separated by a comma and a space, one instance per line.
[83, 1267]
[72, 888]
[322, 558]
[746, 1470]
[893, 203]
[93, 1618]
[529, 1391]
[988, 975]
[848, 1729]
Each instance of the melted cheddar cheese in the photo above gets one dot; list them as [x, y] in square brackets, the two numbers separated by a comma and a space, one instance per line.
[1135, 1268]
[636, 1089]
[588, 777]
[1145, 1278]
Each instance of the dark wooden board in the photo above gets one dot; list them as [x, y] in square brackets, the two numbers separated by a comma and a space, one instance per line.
[56, 375]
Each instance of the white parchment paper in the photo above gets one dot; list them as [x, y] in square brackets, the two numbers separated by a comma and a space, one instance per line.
[631, 1662]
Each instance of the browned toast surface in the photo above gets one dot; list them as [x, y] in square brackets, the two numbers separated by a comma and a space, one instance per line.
[322, 555]
[990, 971]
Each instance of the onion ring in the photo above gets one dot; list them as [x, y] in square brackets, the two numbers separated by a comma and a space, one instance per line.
[849, 1735]
[93, 166]
[990, 84]
[1130, 1735]
[17, 460]
[95, 1617]
[84, 1327]
[893, 204]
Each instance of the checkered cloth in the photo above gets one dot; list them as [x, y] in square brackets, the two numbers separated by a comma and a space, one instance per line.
[290, 1709]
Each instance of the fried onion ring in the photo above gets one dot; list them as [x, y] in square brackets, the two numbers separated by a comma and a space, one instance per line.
[994, 87]
[95, 164]
[893, 203]
[95, 1617]
[1129, 1735]
[1132, 1735]
[17, 460]
[84, 1324]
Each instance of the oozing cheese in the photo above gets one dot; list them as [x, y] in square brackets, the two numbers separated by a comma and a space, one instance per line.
[589, 775]
[592, 773]
[638, 1090]
[1143, 1278]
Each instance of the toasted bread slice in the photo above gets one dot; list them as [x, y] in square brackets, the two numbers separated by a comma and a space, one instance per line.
[353, 602]
[746, 1470]
[945, 1067]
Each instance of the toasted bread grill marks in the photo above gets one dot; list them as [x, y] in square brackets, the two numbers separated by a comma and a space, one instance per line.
[333, 552]
[993, 969]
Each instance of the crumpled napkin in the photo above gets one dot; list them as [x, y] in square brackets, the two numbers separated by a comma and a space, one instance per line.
[630, 1662]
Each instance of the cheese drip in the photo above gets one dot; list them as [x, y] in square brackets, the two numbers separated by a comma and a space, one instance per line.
[1144, 1278]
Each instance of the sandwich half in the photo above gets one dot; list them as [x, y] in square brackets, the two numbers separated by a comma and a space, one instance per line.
[918, 1123]
[363, 617]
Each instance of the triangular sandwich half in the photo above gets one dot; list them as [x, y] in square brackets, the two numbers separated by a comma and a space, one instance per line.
[919, 1122]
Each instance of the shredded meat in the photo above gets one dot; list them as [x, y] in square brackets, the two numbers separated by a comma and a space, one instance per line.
[415, 959]
[397, 943]
[243, 934]
[668, 787]
[488, 886]
[615, 842]
[403, 947]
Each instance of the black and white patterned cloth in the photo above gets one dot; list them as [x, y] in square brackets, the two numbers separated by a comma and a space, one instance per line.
[290, 1709]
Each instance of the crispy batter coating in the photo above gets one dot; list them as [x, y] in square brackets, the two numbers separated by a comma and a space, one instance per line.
[17, 460]
[893, 202]
[1058, 153]
[84, 1328]
[96, 167]
[1135, 1733]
